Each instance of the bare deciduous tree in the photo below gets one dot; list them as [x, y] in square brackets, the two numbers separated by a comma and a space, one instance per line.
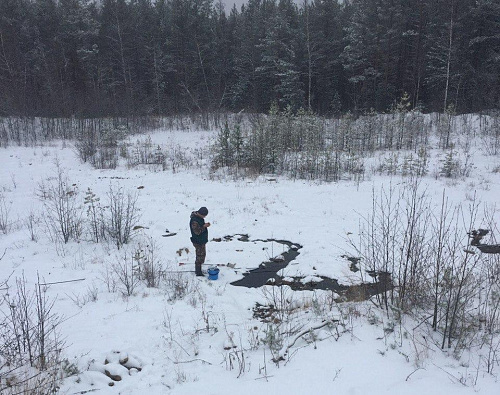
[123, 215]
[30, 356]
[149, 262]
[95, 216]
[31, 223]
[63, 212]
[4, 215]
[127, 274]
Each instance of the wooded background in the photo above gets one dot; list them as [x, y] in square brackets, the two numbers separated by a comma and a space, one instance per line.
[62, 58]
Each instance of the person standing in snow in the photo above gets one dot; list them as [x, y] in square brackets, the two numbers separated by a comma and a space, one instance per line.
[199, 237]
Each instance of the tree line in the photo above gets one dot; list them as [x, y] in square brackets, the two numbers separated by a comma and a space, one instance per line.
[85, 58]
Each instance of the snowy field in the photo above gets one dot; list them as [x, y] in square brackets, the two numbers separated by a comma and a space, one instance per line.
[204, 339]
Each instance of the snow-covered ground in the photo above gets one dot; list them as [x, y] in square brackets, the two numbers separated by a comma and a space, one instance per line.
[207, 341]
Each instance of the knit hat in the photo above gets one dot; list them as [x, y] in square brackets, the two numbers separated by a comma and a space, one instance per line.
[203, 211]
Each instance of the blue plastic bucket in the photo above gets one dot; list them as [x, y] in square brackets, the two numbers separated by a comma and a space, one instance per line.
[213, 273]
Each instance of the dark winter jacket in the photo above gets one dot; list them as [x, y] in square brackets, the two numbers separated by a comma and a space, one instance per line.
[199, 234]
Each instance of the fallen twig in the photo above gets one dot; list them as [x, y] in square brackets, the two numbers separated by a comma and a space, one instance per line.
[407, 377]
[177, 271]
[193, 360]
[61, 282]
[87, 391]
[305, 332]
[6, 282]
[454, 378]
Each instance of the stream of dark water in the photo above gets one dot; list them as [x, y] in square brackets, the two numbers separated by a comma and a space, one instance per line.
[267, 274]
[269, 270]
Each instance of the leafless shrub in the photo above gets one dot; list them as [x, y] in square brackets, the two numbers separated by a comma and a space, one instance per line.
[123, 215]
[452, 287]
[4, 214]
[95, 216]
[281, 300]
[31, 223]
[286, 325]
[274, 339]
[149, 262]
[99, 145]
[434, 270]
[90, 295]
[177, 285]
[489, 317]
[393, 240]
[176, 158]
[488, 301]
[109, 279]
[31, 347]
[408, 165]
[455, 320]
[126, 273]
[490, 134]
[63, 213]
[86, 143]
[236, 360]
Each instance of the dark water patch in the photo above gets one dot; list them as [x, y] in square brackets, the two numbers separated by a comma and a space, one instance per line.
[381, 276]
[356, 292]
[489, 248]
[353, 262]
[267, 274]
[258, 277]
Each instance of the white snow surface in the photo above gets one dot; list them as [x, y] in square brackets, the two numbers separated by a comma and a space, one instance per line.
[170, 340]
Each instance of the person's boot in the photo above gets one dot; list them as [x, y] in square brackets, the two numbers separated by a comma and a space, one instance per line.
[198, 271]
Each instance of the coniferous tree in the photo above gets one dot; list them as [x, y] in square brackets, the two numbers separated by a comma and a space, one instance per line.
[323, 41]
[250, 90]
[115, 54]
[278, 48]
[223, 61]
[78, 42]
[447, 60]
[144, 61]
[139, 57]
[16, 45]
[483, 40]
[373, 57]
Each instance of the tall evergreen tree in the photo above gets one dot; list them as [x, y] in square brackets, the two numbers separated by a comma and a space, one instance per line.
[223, 55]
[78, 37]
[279, 65]
[249, 91]
[190, 38]
[323, 42]
[115, 54]
[16, 44]
[373, 55]
[127, 57]
[483, 41]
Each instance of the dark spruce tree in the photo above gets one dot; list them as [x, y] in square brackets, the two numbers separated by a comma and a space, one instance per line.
[93, 58]
[278, 49]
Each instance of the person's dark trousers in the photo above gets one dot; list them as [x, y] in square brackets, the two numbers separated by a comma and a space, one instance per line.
[201, 253]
